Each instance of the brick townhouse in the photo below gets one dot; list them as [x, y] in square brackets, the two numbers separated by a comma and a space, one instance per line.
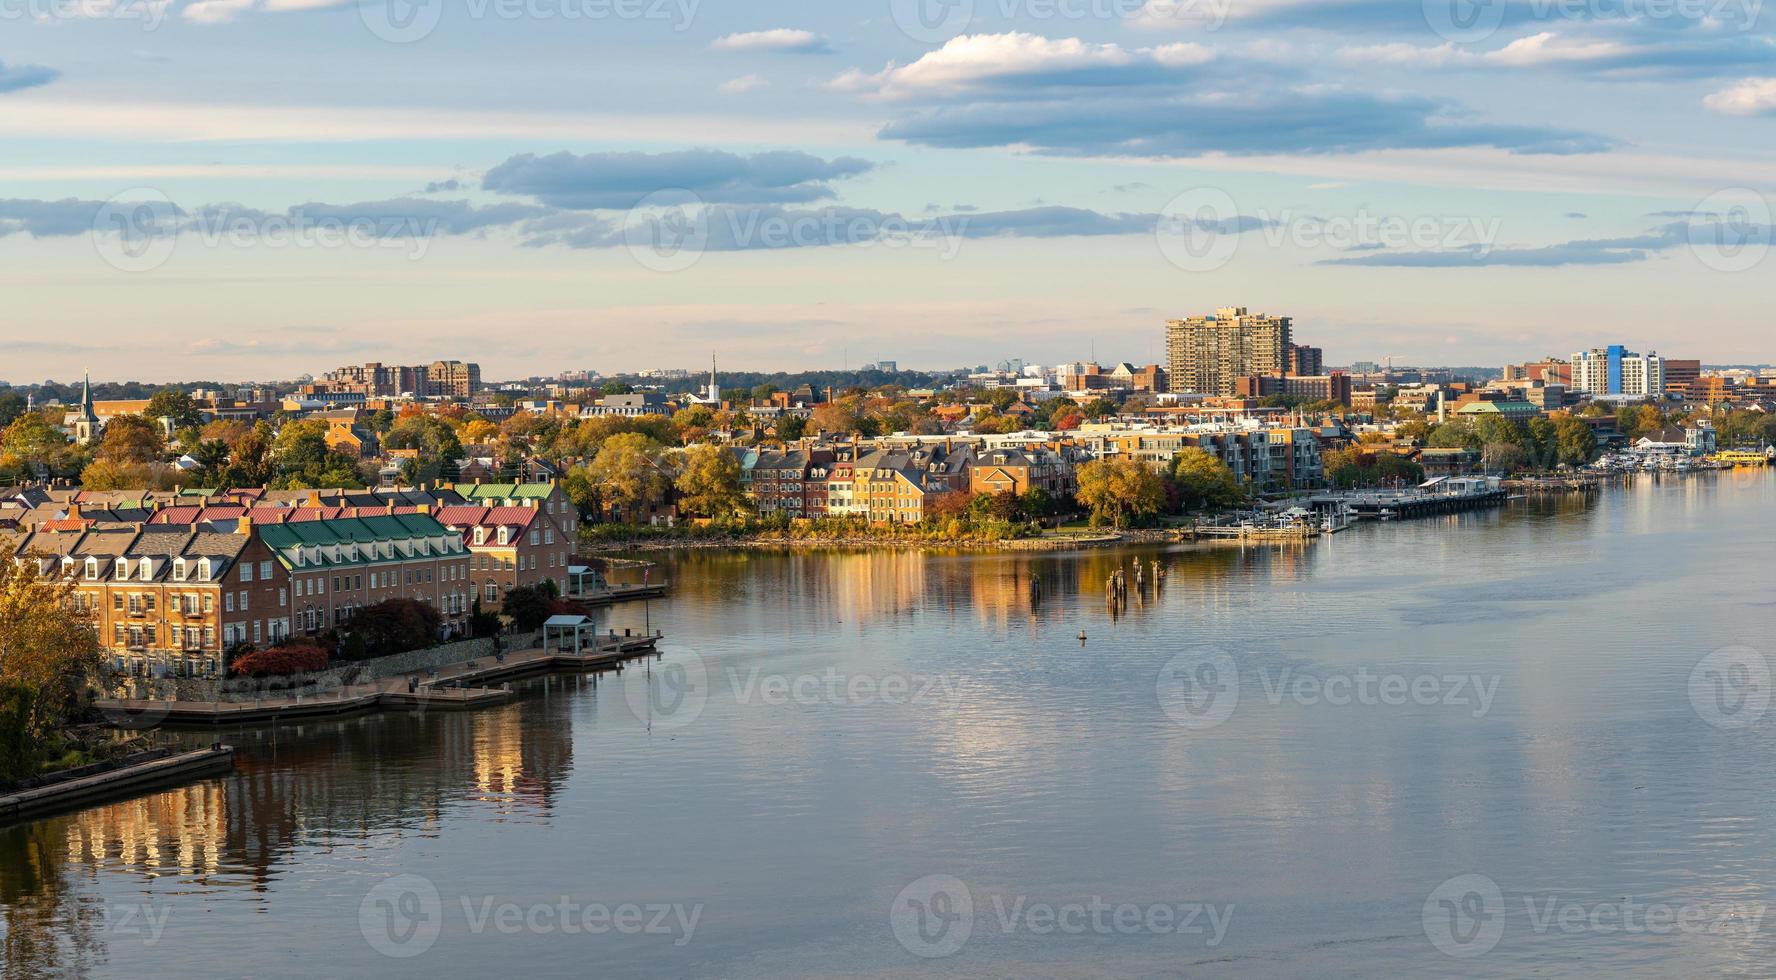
[509, 547]
[175, 599]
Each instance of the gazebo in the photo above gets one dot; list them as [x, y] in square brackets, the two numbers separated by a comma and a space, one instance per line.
[564, 626]
[583, 578]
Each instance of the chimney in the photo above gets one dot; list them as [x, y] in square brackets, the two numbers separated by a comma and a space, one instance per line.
[246, 524]
[74, 511]
[314, 498]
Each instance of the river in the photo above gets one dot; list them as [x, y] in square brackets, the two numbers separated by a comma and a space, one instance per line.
[1527, 741]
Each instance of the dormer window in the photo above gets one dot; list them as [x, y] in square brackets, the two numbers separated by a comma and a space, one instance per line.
[92, 569]
[147, 569]
[505, 535]
[480, 535]
[180, 571]
[123, 569]
[204, 570]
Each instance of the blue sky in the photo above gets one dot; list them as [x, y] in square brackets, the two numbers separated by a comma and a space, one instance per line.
[262, 188]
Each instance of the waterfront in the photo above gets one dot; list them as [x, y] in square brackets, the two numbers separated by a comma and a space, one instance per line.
[870, 718]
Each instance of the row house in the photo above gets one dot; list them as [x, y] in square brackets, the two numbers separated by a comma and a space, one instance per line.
[545, 497]
[509, 547]
[1018, 471]
[1258, 455]
[170, 599]
[163, 601]
[793, 482]
[892, 486]
[333, 568]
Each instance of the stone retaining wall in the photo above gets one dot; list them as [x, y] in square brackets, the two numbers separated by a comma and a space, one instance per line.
[240, 689]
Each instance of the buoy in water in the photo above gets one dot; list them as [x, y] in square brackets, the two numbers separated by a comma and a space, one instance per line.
[1082, 637]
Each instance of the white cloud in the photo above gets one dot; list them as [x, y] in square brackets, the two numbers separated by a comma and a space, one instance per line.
[741, 85]
[974, 60]
[1549, 48]
[215, 11]
[782, 39]
[1167, 15]
[1751, 97]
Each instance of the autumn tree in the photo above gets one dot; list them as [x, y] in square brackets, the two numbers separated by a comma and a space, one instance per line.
[1114, 489]
[47, 652]
[710, 483]
[627, 473]
[1203, 480]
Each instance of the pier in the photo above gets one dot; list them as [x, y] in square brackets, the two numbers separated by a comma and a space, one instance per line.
[457, 687]
[104, 783]
[1443, 495]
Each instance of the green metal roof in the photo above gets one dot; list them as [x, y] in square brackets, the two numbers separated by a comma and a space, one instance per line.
[503, 491]
[351, 530]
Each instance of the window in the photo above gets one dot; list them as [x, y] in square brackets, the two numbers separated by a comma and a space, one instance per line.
[265, 571]
[534, 538]
[283, 598]
[243, 600]
[116, 600]
[257, 632]
[209, 603]
[228, 602]
[246, 571]
[548, 535]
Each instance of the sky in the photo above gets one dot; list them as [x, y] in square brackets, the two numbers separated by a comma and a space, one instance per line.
[259, 189]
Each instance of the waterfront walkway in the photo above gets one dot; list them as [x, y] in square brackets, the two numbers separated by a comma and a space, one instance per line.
[455, 687]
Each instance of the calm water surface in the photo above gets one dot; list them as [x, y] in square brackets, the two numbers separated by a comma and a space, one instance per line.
[1513, 695]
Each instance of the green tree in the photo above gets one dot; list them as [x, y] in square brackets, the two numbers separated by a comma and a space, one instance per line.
[1576, 444]
[1204, 481]
[1116, 489]
[176, 404]
[791, 427]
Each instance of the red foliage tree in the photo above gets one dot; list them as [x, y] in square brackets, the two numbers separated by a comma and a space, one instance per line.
[294, 658]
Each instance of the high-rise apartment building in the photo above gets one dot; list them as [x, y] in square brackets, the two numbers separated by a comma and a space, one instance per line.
[1306, 362]
[1208, 354]
[442, 379]
[1615, 370]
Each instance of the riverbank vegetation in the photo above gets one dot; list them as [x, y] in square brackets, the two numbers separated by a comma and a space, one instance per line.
[48, 656]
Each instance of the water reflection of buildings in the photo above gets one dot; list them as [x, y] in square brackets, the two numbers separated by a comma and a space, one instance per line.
[327, 785]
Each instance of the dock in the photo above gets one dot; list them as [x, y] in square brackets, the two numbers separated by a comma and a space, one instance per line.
[1443, 495]
[155, 770]
[600, 598]
[457, 687]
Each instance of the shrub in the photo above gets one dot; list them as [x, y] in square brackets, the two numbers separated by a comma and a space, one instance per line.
[395, 626]
[294, 658]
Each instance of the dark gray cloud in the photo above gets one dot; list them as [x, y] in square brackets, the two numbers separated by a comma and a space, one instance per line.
[1146, 125]
[618, 181]
[47, 219]
[443, 186]
[16, 77]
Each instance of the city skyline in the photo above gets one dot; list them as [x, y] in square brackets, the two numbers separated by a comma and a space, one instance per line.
[1030, 177]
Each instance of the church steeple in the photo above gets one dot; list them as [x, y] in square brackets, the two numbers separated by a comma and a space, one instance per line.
[715, 392]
